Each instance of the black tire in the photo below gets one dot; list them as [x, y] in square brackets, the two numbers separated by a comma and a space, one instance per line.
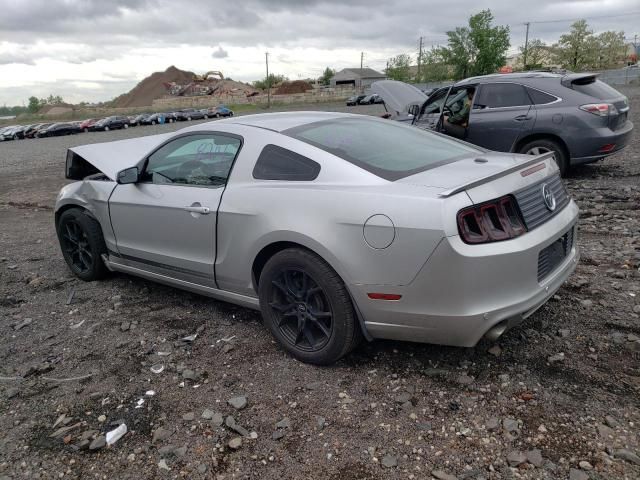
[206, 117]
[153, 122]
[544, 145]
[106, 129]
[82, 244]
[86, 130]
[297, 288]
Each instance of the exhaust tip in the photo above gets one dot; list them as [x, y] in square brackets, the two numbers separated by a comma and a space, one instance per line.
[495, 332]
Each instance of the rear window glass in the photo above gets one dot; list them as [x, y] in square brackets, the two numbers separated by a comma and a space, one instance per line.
[384, 148]
[540, 98]
[498, 95]
[597, 89]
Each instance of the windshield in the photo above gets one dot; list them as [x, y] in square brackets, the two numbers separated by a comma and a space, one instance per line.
[385, 148]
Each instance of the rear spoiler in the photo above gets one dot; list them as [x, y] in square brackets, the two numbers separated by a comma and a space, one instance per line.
[578, 78]
[466, 186]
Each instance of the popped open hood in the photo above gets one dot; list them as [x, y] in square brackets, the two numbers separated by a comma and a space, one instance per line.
[398, 96]
[112, 157]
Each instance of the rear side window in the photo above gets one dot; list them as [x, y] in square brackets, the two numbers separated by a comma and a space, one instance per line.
[595, 88]
[540, 98]
[499, 95]
[277, 163]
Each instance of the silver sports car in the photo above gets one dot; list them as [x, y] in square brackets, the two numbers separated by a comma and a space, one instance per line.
[334, 226]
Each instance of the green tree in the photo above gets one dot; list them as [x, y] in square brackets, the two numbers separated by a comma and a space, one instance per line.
[537, 55]
[34, 104]
[433, 66]
[398, 68]
[328, 73]
[267, 82]
[576, 50]
[479, 48]
[610, 50]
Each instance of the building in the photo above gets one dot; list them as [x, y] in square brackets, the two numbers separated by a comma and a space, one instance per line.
[356, 77]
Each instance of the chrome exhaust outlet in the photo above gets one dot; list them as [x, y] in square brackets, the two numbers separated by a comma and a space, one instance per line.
[496, 331]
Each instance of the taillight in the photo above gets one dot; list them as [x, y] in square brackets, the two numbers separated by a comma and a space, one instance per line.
[491, 221]
[600, 109]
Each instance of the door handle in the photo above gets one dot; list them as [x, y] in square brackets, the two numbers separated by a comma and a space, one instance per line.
[201, 210]
[522, 118]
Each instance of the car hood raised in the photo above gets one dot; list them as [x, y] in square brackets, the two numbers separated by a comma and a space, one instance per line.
[112, 157]
[398, 96]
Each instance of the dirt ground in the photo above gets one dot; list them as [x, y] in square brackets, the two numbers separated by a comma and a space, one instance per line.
[556, 398]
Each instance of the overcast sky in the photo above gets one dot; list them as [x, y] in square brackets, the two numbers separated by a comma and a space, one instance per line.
[95, 50]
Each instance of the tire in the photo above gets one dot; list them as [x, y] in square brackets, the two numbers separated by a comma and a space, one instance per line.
[16, 137]
[106, 129]
[231, 114]
[330, 326]
[153, 122]
[188, 119]
[82, 244]
[217, 115]
[206, 117]
[125, 126]
[171, 120]
[544, 145]
[86, 130]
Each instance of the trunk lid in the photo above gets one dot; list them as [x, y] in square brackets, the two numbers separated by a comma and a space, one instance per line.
[487, 176]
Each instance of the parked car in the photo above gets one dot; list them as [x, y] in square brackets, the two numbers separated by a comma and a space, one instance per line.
[188, 115]
[220, 111]
[335, 226]
[354, 100]
[111, 123]
[371, 99]
[87, 125]
[158, 118]
[576, 116]
[57, 129]
[139, 119]
[15, 132]
[33, 129]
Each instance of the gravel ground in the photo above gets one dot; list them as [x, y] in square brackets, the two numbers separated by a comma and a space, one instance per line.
[556, 398]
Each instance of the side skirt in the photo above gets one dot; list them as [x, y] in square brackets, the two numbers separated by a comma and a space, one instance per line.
[243, 300]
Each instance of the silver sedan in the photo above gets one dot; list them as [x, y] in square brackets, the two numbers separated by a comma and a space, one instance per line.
[335, 226]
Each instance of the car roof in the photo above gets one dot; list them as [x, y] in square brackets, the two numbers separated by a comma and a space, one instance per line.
[283, 120]
[507, 76]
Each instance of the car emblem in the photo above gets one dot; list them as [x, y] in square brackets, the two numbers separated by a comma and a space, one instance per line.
[549, 197]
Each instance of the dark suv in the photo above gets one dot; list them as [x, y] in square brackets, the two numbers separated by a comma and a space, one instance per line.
[578, 117]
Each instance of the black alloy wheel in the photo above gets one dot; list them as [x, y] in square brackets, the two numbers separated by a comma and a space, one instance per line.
[304, 313]
[75, 245]
[82, 244]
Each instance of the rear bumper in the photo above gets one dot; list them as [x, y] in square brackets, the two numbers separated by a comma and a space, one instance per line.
[463, 291]
[587, 149]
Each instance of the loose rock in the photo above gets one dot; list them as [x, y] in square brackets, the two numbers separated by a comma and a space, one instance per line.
[239, 402]
[389, 461]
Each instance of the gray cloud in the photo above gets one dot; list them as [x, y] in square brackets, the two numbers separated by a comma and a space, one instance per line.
[220, 53]
[7, 58]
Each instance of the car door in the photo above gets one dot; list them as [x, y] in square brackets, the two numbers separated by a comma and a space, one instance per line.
[166, 222]
[501, 114]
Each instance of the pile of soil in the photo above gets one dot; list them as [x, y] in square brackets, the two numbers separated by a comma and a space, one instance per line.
[297, 86]
[153, 87]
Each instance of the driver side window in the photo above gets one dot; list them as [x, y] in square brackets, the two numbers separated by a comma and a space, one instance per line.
[201, 160]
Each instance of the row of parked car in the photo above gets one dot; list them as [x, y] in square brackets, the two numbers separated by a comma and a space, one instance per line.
[114, 122]
[364, 100]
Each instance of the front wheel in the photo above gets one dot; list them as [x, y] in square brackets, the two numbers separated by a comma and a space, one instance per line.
[543, 145]
[106, 129]
[307, 308]
[82, 244]
[125, 126]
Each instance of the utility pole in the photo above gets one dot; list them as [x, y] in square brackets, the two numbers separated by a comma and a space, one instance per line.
[419, 58]
[266, 59]
[361, 61]
[526, 45]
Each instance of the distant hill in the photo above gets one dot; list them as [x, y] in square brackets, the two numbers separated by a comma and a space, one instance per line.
[152, 87]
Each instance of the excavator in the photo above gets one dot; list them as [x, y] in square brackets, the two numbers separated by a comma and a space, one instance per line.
[205, 77]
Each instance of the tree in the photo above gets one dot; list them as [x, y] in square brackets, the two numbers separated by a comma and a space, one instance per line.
[34, 104]
[478, 49]
[537, 55]
[611, 50]
[575, 50]
[328, 73]
[398, 67]
[269, 82]
[433, 67]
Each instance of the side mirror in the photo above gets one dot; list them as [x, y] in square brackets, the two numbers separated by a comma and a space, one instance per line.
[128, 175]
[414, 110]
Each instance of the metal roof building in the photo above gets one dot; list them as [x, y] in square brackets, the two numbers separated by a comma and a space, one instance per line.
[357, 77]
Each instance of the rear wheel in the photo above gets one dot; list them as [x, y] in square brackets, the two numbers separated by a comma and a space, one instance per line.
[153, 122]
[82, 244]
[106, 129]
[544, 145]
[307, 307]
[206, 116]
[126, 125]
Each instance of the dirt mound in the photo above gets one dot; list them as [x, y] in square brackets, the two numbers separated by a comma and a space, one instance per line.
[153, 87]
[297, 86]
